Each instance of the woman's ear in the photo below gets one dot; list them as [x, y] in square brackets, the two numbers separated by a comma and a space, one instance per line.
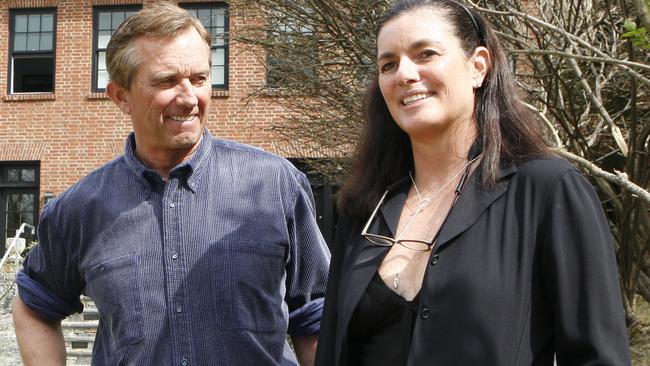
[480, 63]
[119, 96]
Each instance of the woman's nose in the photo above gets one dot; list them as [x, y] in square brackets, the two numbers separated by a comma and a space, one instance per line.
[407, 71]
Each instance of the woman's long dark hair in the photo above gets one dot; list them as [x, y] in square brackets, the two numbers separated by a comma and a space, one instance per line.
[507, 131]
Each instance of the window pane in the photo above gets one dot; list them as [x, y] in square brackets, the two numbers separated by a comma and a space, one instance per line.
[218, 57]
[28, 175]
[118, 18]
[47, 23]
[129, 13]
[33, 74]
[27, 217]
[101, 60]
[217, 75]
[13, 175]
[20, 208]
[21, 23]
[204, 17]
[102, 79]
[13, 219]
[13, 202]
[104, 20]
[219, 18]
[46, 41]
[218, 37]
[33, 41]
[102, 38]
[26, 202]
[20, 42]
[34, 23]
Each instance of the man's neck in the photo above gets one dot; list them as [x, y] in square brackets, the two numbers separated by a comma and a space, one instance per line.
[164, 161]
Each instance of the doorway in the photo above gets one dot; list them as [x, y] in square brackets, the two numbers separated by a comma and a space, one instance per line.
[19, 183]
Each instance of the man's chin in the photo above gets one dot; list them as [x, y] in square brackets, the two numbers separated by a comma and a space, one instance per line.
[187, 139]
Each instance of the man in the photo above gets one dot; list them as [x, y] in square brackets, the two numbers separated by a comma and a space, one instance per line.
[196, 251]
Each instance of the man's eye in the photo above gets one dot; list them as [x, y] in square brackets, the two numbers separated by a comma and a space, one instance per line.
[167, 82]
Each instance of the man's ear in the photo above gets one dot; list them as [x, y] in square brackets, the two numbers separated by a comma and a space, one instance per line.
[119, 96]
[480, 64]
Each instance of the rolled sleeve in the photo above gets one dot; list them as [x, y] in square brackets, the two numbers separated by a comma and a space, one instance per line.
[308, 264]
[49, 283]
[43, 301]
[305, 321]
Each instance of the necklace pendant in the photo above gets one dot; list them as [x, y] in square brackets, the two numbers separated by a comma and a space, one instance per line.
[425, 202]
[396, 281]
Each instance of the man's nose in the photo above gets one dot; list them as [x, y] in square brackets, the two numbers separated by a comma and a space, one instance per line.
[186, 95]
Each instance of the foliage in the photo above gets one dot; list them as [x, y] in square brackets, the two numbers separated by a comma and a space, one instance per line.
[580, 67]
[638, 36]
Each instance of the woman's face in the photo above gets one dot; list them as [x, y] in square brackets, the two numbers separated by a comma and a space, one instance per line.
[424, 76]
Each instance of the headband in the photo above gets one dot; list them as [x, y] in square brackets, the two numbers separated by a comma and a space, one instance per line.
[469, 13]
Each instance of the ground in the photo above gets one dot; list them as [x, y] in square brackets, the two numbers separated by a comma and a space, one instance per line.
[640, 336]
[8, 347]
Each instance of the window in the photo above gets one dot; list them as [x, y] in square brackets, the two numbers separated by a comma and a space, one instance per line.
[286, 62]
[214, 18]
[105, 22]
[32, 41]
[19, 184]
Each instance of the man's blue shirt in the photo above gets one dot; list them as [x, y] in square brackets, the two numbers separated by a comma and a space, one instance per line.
[203, 269]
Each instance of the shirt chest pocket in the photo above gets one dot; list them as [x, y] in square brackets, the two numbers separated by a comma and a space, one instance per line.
[248, 287]
[114, 286]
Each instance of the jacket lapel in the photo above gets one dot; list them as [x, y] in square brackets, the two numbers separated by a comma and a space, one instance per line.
[363, 258]
[472, 203]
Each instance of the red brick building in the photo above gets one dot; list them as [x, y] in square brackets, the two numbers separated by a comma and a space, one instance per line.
[56, 122]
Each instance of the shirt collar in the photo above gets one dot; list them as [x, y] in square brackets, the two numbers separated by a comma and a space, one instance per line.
[188, 171]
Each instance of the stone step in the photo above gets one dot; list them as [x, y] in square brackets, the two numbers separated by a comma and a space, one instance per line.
[78, 341]
[90, 314]
[79, 334]
[79, 353]
[88, 324]
[80, 338]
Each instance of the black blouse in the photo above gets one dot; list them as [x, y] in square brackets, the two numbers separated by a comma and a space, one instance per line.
[381, 327]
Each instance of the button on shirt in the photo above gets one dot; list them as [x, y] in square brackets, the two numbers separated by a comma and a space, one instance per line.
[203, 269]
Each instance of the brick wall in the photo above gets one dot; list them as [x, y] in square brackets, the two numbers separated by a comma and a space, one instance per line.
[74, 131]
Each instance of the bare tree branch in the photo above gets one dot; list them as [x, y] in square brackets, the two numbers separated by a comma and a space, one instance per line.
[617, 178]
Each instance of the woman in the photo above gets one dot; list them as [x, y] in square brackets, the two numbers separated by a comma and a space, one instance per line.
[463, 241]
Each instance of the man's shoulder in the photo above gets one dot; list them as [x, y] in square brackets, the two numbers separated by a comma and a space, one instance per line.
[87, 187]
[248, 156]
[238, 148]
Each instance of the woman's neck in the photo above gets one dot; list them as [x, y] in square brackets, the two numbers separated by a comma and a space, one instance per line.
[437, 159]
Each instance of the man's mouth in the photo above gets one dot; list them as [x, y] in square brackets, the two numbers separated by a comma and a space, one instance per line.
[182, 118]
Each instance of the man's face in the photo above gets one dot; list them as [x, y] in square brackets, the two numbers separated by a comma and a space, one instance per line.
[169, 97]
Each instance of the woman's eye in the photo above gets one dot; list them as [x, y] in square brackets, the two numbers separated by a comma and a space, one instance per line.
[428, 53]
[387, 66]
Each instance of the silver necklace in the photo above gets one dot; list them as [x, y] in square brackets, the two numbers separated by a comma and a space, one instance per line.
[424, 202]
